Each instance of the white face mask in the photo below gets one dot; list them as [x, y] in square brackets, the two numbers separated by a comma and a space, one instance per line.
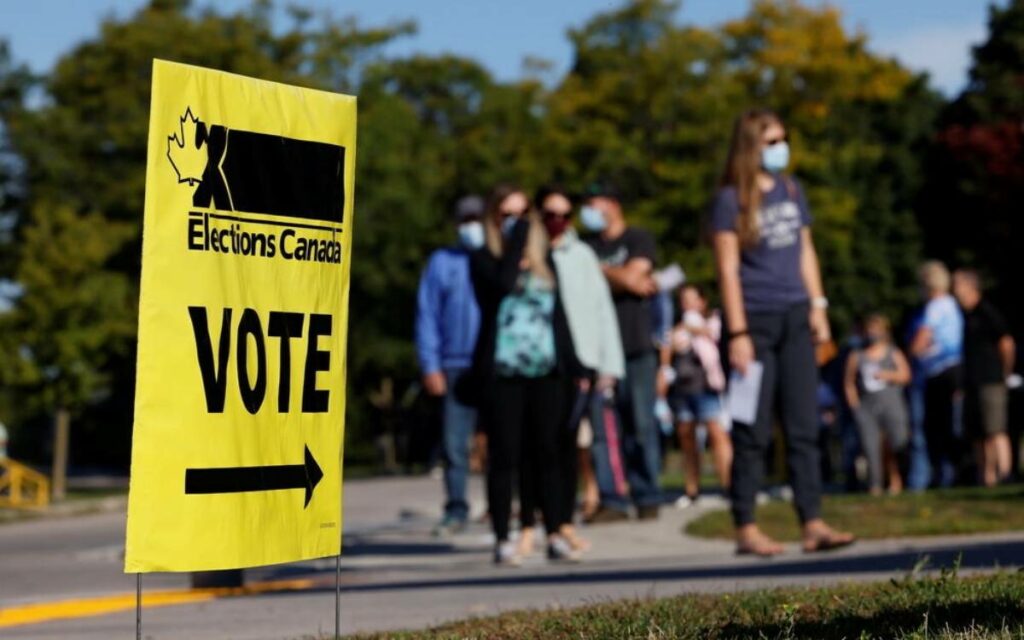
[593, 218]
[775, 158]
[471, 234]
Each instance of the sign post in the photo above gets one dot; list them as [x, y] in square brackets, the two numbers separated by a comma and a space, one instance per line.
[240, 388]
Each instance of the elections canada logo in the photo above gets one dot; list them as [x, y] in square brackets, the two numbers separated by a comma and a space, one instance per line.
[240, 177]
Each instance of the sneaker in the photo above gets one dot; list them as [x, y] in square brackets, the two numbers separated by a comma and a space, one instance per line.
[604, 515]
[505, 555]
[559, 550]
[685, 502]
[448, 526]
[647, 512]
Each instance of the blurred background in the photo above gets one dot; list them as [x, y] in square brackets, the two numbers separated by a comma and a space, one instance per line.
[905, 119]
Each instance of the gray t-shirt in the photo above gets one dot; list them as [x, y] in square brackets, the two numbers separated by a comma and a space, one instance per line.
[770, 270]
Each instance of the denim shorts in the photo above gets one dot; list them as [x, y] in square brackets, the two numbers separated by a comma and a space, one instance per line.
[697, 407]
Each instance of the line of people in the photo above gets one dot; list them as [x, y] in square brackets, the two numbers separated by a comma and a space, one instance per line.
[940, 416]
[546, 341]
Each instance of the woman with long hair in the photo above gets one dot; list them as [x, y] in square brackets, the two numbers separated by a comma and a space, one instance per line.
[775, 310]
[526, 367]
[873, 383]
[594, 327]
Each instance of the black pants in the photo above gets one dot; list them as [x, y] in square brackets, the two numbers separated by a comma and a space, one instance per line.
[528, 425]
[782, 344]
[568, 466]
[943, 447]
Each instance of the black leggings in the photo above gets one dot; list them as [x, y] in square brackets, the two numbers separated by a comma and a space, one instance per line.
[527, 432]
[782, 344]
[568, 466]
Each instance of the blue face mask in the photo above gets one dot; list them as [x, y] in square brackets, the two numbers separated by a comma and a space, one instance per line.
[593, 219]
[507, 224]
[775, 158]
[471, 235]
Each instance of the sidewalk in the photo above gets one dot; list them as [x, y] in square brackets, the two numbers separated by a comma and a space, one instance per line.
[376, 538]
[395, 575]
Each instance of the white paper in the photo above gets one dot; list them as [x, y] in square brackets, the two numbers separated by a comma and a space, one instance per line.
[670, 277]
[745, 393]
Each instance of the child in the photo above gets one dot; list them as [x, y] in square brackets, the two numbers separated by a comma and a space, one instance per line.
[874, 381]
[691, 377]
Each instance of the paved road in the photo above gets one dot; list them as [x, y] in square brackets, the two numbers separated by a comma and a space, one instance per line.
[395, 575]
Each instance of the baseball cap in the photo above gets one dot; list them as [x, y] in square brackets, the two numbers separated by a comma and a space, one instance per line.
[468, 207]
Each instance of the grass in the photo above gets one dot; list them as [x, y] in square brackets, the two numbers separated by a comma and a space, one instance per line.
[943, 607]
[671, 478]
[942, 512]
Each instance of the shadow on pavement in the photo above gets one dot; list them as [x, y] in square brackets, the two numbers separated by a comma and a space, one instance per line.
[985, 555]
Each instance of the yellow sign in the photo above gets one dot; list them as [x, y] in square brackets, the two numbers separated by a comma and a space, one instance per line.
[243, 320]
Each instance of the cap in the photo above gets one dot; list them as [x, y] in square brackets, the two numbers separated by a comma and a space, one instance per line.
[468, 207]
[602, 190]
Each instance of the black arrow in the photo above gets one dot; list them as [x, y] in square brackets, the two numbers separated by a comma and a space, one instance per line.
[269, 478]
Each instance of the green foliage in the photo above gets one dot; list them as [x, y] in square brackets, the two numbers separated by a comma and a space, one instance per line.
[73, 245]
[971, 205]
[651, 104]
[648, 103]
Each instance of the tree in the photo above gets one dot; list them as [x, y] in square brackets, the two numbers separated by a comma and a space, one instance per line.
[650, 105]
[14, 82]
[971, 211]
[73, 241]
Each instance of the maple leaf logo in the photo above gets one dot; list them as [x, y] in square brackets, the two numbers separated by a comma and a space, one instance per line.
[185, 152]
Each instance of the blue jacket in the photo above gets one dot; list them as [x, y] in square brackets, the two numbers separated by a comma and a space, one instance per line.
[447, 315]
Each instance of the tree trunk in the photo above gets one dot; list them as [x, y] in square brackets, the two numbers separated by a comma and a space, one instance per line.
[62, 436]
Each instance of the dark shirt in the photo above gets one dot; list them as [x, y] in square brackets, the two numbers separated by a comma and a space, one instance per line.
[984, 327]
[770, 270]
[633, 311]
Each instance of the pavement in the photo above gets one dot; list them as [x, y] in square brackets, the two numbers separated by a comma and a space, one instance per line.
[61, 577]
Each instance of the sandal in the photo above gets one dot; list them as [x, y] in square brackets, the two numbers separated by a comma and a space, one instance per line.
[761, 551]
[829, 541]
[759, 545]
[578, 544]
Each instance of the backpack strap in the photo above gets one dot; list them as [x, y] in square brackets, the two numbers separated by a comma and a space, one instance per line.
[790, 187]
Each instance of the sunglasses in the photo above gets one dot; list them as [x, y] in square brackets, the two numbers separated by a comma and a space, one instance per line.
[548, 214]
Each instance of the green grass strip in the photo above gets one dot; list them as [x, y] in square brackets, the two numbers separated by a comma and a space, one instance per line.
[942, 607]
[943, 512]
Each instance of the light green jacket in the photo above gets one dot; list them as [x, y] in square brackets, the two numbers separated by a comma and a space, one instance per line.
[588, 307]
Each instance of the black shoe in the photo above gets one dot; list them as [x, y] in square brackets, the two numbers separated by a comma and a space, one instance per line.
[647, 512]
[604, 515]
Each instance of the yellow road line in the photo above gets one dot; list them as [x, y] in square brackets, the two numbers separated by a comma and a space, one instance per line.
[85, 607]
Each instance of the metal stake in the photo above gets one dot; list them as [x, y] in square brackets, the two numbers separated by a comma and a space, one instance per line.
[337, 597]
[138, 606]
